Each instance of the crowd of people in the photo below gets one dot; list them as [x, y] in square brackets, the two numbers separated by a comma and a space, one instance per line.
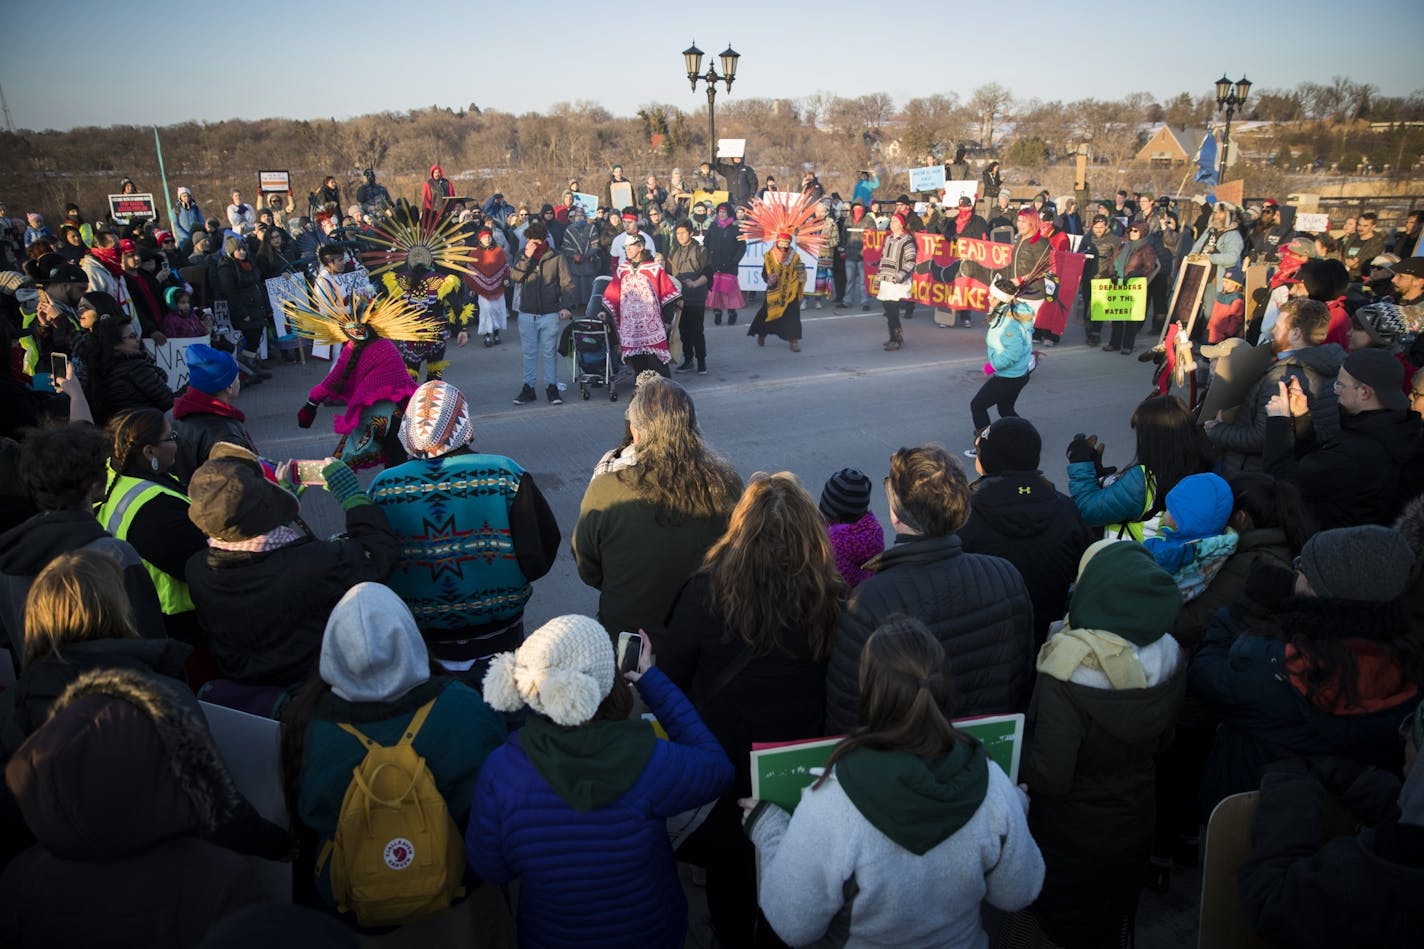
[1237, 607]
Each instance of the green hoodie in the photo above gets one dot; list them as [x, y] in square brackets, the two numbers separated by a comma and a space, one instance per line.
[916, 802]
[592, 765]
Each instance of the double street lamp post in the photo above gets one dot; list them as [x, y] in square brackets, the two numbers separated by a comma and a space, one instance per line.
[692, 56]
[1229, 97]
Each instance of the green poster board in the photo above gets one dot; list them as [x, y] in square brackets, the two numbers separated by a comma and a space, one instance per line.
[780, 773]
[1110, 300]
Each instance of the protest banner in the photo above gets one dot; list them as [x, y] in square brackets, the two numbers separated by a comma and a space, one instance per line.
[749, 272]
[731, 148]
[1110, 300]
[124, 208]
[281, 289]
[927, 178]
[589, 202]
[1312, 223]
[274, 182]
[621, 194]
[1052, 316]
[170, 359]
[954, 190]
[940, 281]
[781, 771]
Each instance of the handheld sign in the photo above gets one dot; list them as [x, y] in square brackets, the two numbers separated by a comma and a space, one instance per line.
[927, 178]
[123, 208]
[731, 148]
[274, 182]
[1111, 300]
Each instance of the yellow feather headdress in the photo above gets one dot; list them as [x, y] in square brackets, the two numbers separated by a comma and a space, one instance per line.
[411, 240]
[322, 320]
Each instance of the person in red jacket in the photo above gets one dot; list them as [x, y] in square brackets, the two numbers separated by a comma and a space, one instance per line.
[434, 195]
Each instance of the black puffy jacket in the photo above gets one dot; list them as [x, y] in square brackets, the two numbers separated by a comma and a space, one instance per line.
[244, 292]
[977, 607]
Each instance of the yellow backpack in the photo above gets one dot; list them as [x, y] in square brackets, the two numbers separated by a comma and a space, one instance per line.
[397, 856]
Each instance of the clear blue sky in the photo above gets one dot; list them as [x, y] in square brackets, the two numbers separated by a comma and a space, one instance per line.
[58, 71]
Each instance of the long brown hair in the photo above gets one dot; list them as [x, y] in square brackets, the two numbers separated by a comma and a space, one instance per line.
[906, 695]
[773, 568]
[79, 596]
[676, 471]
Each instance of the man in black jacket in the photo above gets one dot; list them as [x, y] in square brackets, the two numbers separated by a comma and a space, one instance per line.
[741, 180]
[977, 606]
[546, 298]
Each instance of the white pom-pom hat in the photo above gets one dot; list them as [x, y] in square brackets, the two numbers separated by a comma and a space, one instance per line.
[563, 671]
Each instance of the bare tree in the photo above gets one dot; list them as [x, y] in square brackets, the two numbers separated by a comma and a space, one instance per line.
[989, 102]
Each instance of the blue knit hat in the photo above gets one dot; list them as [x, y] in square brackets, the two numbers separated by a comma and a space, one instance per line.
[209, 370]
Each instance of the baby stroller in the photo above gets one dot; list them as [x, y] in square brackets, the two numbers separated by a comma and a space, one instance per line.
[593, 347]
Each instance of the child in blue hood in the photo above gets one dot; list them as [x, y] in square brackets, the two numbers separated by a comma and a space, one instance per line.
[1194, 541]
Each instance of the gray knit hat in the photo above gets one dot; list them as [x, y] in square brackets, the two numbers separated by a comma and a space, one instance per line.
[372, 650]
[846, 496]
[563, 671]
[1368, 563]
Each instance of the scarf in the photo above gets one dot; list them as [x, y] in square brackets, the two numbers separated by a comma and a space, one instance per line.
[961, 219]
[539, 248]
[1097, 649]
[274, 539]
[856, 213]
[1124, 254]
[109, 257]
[732, 219]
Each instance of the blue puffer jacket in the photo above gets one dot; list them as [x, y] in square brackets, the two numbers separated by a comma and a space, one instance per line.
[603, 877]
[1010, 345]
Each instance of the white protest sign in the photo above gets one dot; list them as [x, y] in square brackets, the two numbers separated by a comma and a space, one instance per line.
[927, 178]
[588, 202]
[1312, 223]
[749, 272]
[170, 359]
[954, 190]
[282, 289]
[270, 182]
[731, 148]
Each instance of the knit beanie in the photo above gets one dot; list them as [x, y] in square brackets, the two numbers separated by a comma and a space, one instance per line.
[231, 243]
[1010, 444]
[846, 496]
[1121, 590]
[437, 421]
[170, 297]
[372, 650]
[563, 671]
[1368, 563]
[232, 500]
[1201, 504]
[209, 370]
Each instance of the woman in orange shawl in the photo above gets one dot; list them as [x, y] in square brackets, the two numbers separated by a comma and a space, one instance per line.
[488, 278]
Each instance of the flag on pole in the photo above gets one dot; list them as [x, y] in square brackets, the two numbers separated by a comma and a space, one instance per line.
[1206, 160]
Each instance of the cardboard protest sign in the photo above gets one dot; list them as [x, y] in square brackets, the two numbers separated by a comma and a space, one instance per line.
[284, 288]
[1110, 300]
[782, 771]
[1312, 223]
[1232, 192]
[170, 359]
[749, 272]
[588, 202]
[124, 208]
[954, 190]
[927, 178]
[731, 148]
[621, 194]
[274, 182]
[713, 198]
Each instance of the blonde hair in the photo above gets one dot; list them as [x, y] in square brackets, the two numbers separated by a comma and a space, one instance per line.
[773, 568]
[79, 596]
[676, 472]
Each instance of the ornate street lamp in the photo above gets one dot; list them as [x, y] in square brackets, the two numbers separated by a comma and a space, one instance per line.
[1229, 97]
[692, 58]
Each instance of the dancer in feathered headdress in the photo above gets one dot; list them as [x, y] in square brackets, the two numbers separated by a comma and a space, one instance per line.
[419, 259]
[782, 223]
[369, 377]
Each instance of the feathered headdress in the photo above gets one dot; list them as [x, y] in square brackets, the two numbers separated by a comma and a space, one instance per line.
[415, 240]
[785, 214]
[323, 320]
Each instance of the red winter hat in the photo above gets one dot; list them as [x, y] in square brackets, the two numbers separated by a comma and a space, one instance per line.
[784, 236]
[127, 246]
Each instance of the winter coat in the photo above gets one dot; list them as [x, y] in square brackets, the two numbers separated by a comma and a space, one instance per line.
[1243, 672]
[1262, 545]
[897, 258]
[1021, 517]
[830, 877]
[1120, 499]
[855, 544]
[638, 563]
[689, 263]
[242, 288]
[976, 606]
[201, 421]
[1353, 477]
[546, 286]
[130, 803]
[741, 181]
[131, 380]
[603, 877]
[725, 247]
[458, 734]
[1243, 440]
[1360, 889]
[1009, 344]
[27, 549]
[186, 220]
[263, 613]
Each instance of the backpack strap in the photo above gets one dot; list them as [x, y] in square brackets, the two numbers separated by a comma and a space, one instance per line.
[417, 721]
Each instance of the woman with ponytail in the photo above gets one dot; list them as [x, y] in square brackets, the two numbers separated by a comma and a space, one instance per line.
[907, 817]
[144, 504]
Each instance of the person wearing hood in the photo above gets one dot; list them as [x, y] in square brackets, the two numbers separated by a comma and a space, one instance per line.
[575, 804]
[374, 677]
[1017, 514]
[1135, 258]
[1326, 281]
[132, 807]
[1110, 683]
[1319, 661]
[1194, 539]
[486, 279]
[188, 219]
[63, 471]
[204, 413]
[1366, 471]
[580, 250]
[1358, 889]
[435, 192]
[374, 198]
[494, 523]
[239, 283]
[910, 827]
[264, 588]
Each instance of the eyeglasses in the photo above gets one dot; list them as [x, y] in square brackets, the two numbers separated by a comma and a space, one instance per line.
[1337, 385]
[170, 437]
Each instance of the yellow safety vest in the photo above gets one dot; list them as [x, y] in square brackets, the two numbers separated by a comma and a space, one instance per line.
[127, 496]
[1137, 529]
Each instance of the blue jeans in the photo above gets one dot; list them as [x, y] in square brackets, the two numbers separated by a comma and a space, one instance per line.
[855, 282]
[538, 335]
